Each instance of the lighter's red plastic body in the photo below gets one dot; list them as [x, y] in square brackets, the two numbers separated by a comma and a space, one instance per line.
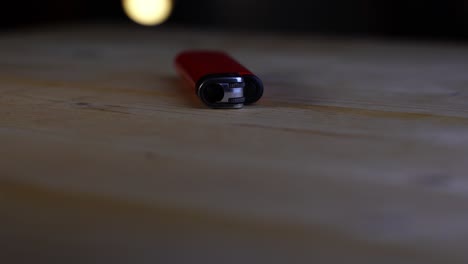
[197, 65]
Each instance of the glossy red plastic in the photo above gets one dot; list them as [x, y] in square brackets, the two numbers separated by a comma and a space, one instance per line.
[196, 65]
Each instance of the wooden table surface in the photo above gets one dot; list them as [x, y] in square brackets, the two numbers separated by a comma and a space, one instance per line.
[358, 152]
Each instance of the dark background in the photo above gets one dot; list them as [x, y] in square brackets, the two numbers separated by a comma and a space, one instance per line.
[430, 19]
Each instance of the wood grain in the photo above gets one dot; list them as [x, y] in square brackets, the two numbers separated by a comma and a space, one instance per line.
[357, 152]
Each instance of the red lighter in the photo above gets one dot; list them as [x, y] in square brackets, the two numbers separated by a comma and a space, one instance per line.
[219, 80]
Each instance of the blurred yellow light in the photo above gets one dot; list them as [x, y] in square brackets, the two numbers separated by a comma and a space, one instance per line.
[148, 12]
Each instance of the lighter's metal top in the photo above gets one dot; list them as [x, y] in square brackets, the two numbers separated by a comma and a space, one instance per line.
[222, 92]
